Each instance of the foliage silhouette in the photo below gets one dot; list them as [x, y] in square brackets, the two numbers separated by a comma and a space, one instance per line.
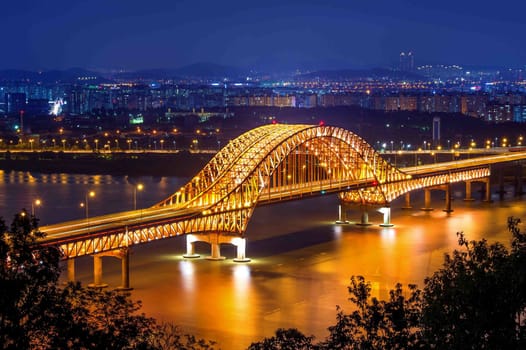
[476, 300]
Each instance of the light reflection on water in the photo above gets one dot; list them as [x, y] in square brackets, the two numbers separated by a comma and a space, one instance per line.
[61, 194]
[301, 262]
[187, 274]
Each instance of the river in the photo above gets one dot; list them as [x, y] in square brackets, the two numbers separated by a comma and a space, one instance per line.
[301, 261]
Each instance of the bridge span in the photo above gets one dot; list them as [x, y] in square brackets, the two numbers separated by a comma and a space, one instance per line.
[269, 164]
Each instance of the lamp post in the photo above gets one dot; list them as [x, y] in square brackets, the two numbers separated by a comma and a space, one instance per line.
[85, 205]
[138, 187]
[36, 203]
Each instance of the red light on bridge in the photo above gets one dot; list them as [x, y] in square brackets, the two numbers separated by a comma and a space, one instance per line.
[375, 183]
[321, 123]
[274, 121]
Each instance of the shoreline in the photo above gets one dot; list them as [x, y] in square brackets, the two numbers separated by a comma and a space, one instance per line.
[181, 164]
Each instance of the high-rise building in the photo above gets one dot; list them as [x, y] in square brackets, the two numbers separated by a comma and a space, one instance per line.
[15, 102]
[407, 61]
[519, 114]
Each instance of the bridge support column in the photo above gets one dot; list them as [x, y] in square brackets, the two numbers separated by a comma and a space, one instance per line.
[342, 214]
[487, 194]
[215, 253]
[71, 270]
[407, 201]
[364, 221]
[240, 243]
[518, 181]
[468, 191]
[448, 199]
[97, 273]
[501, 190]
[125, 269]
[190, 247]
[427, 200]
[387, 217]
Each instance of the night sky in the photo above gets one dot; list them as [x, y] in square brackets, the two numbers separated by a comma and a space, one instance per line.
[270, 34]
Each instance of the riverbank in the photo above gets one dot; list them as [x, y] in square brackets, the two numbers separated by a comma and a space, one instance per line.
[183, 163]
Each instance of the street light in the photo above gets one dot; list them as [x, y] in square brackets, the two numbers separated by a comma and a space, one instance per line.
[85, 205]
[36, 203]
[138, 187]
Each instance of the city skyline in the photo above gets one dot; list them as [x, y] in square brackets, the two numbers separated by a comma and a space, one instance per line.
[279, 36]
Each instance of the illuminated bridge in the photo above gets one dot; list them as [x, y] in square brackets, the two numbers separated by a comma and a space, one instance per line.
[269, 164]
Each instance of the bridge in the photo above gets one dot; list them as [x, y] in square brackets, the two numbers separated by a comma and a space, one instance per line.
[270, 164]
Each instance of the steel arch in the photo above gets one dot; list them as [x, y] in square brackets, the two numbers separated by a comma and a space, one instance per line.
[266, 163]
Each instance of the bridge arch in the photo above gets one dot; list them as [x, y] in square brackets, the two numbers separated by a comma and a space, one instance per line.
[278, 162]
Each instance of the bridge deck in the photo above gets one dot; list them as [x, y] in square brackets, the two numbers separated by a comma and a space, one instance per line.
[111, 223]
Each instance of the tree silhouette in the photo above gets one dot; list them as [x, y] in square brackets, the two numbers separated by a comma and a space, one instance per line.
[37, 313]
[476, 300]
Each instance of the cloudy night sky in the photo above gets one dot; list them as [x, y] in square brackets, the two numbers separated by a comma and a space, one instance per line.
[285, 34]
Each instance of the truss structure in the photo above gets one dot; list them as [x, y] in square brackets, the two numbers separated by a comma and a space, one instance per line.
[272, 163]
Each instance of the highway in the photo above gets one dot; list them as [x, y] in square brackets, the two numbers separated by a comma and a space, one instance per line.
[70, 230]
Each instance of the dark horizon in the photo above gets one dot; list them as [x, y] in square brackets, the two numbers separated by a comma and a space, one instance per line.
[283, 70]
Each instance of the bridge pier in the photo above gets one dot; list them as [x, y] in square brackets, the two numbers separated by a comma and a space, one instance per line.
[468, 192]
[240, 244]
[124, 255]
[342, 215]
[487, 194]
[97, 273]
[190, 247]
[364, 220]
[215, 240]
[427, 200]
[501, 190]
[518, 180]
[71, 270]
[215, 253]
[448, 198]
[387, 217]
[407, 204]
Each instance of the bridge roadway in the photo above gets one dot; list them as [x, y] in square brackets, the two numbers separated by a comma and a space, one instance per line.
[80, 229]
